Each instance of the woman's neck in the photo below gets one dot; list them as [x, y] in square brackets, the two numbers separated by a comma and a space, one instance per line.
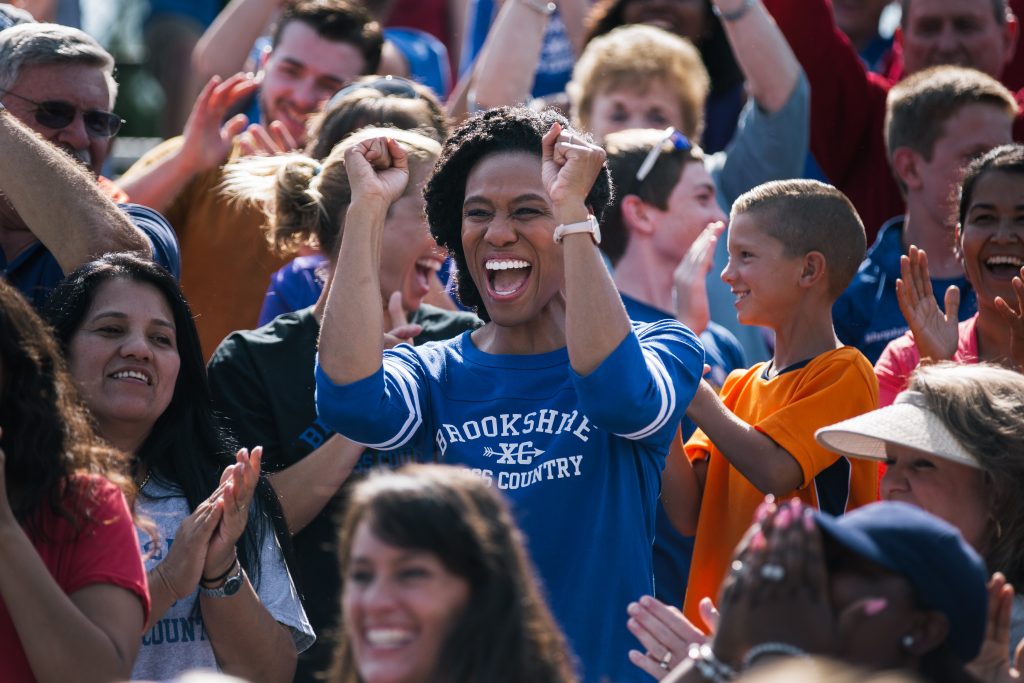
[125, 437]
[543, 333]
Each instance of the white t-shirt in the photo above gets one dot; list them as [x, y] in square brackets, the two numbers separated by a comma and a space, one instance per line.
[177, 642]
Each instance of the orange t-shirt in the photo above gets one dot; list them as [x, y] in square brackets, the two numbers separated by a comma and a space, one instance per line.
[789, 408]
[226, 259]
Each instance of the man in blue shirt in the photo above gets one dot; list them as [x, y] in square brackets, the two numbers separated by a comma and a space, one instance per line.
[937, 121]
[57, 82]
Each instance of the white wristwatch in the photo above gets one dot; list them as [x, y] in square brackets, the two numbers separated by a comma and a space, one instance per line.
[590, 226]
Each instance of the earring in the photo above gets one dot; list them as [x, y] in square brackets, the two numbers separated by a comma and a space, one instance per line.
[907, 641]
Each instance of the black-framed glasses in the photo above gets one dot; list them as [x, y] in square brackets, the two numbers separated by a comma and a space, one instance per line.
[58, 114]
[671, 141]
[385, 85]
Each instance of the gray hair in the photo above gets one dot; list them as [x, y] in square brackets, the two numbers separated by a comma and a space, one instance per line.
[37, 44]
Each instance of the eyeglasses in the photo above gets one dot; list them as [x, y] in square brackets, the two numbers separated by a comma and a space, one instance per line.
[672, 141]
[386, 85]
[58, 114]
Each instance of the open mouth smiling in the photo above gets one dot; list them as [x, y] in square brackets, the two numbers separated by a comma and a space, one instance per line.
[507, 277]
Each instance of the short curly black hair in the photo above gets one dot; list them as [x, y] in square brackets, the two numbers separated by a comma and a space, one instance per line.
[503, 129]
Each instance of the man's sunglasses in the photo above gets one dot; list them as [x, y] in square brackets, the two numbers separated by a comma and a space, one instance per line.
[386, 85]
[58, 114]
[671, 141]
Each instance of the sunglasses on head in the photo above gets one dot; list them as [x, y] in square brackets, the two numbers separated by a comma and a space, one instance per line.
[59, 114]
[671, 141]
[386, 85]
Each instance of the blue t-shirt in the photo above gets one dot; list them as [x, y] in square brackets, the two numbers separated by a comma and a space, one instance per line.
[35, 271]
[868, 315]
[580, 458]
[672, 550]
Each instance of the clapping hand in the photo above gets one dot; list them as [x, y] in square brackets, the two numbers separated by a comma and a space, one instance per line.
[1014, 318]
[935, 331]
[992, 665]
[237, 486]
[689, 281]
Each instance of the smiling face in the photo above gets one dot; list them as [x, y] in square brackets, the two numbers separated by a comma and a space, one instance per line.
[410, 258]
[124, 357]
[302, 72]
[507, 229]
[960, 32]
[652, 106]
[949, 490]
[399, 605]
[992, 236]
[82, 85]
[691, 206]
[762, 277]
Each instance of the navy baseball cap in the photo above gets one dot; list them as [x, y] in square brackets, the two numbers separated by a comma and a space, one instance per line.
[946, 573]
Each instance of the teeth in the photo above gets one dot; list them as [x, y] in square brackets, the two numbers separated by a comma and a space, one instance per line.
[429, 263]
[1004, 260]
[388, 637]
[506, 264]
[132, 374]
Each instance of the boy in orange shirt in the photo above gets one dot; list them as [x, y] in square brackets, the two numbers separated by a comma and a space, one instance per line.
[794, 246]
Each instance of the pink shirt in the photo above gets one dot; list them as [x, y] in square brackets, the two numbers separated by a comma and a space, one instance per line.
[901, 357]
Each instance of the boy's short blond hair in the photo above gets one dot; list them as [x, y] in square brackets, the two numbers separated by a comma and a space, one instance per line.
[806, 216]
[634, 57]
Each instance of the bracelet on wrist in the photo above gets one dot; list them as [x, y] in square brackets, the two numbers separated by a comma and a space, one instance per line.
[204, 580]
[545, 8]
[736, 14]
[762, 650]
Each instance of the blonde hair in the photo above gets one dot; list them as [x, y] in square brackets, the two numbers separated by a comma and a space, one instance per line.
[305, 200]
[634, 57]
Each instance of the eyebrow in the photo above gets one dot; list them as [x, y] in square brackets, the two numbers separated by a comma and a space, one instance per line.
[294, 62]
[527, 197]
[123, 316]
[992, 207]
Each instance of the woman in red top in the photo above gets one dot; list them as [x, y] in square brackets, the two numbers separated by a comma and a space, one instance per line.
[73, 595]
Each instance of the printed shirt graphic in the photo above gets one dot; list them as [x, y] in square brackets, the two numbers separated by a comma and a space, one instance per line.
[178, 641]
[580, 458]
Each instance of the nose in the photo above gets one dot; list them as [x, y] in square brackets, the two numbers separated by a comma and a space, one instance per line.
[306, 96]
[948, 41]
[1006, 231]
[893, 481]
[378, 596]
[501, 232]
[728, 273]
[136, 346]
[73, 135]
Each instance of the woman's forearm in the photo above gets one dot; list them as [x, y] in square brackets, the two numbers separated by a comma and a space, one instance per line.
[99, 627]
[304, 488]
[246, 639]
[351, 338]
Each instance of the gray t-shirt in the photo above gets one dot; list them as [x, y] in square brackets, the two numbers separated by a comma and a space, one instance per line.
[177, 642]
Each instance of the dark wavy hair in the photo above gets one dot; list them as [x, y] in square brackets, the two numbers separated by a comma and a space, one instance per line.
[339, 21]
[715, 51]
[495, 131]
[187, 447]
[47, 437]
[1004, 159]
[506, 633]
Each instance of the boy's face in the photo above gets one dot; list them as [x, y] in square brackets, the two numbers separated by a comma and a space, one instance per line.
[651, 106]
[970, 132]
[691, 207]
[762, 277]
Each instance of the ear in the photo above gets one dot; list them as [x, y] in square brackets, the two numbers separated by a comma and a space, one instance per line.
[814, 269]
[905, 164]
[636, 215]
[931, 628]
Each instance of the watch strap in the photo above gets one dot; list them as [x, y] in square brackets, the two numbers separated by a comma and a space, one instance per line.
[228, 588]
[590, 226]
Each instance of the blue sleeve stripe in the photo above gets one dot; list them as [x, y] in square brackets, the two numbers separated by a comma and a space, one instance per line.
[666, 391]
[407, 386]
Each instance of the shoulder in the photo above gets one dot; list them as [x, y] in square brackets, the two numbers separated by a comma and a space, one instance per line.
[846, 360]
[440, 324]
[267, 337]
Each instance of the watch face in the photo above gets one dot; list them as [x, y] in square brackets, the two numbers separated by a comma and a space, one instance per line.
[232, 585]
